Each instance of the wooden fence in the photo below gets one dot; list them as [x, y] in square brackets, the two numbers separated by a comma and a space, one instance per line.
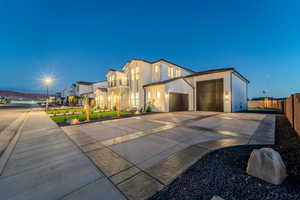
[292, 111]
[266, 104]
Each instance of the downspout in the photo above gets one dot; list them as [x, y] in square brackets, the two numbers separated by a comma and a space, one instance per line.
[193, 93]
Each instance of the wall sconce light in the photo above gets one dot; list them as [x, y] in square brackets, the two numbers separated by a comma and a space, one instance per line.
[227, 96]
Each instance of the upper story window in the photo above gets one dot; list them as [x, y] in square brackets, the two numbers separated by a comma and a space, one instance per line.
[158, 94]
[111, 81]
[178, 73]
[156, 68]
[135, 73]
[170, 72]
[124, 81]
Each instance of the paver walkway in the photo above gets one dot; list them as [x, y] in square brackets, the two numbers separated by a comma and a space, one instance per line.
[45, 164]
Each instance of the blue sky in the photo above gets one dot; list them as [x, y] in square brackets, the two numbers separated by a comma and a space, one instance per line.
[80, 40]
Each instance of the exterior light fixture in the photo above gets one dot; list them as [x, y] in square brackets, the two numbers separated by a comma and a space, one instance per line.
[48, 80]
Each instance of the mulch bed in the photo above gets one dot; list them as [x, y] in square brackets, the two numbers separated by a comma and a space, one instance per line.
[222, 173]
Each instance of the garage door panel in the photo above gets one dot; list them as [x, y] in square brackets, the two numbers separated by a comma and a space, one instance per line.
[178, 102]
[210, 95]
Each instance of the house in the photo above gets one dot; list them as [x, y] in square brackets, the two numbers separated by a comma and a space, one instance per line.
[75, 93]
[165, 87]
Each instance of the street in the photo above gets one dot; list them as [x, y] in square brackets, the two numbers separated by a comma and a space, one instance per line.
[9, 113]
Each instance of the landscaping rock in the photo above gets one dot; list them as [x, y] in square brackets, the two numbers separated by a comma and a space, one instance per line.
[73, 121]
[267, 164]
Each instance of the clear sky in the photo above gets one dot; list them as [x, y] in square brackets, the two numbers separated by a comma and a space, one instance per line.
[81, 39]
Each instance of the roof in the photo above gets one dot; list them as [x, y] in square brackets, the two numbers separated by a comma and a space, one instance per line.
[102, 89]
[163, 82]
[84, 83]
[198, 74]
[114, 70]
[88, 83]
[161, 60]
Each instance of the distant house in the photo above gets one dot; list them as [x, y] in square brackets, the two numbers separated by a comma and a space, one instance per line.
[74, 94]
[166, 87]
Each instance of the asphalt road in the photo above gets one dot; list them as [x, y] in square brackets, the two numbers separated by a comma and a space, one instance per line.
[9, 113]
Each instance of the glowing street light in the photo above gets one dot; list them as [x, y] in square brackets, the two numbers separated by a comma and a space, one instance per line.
[47, 81]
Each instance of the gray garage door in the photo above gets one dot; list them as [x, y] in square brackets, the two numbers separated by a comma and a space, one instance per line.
[178, 102]
[210, 95]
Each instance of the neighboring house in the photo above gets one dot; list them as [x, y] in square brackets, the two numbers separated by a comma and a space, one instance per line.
[75, 93]
[166, 87]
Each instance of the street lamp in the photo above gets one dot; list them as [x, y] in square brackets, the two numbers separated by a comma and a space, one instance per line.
[47, 81]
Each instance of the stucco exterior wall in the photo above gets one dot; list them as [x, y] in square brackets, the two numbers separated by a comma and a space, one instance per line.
[157, 103]
[227, 86]
[239, 94]
[83, 89]
[179, 86]
[102, 84]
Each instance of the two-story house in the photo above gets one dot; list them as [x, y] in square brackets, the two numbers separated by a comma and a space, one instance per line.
[165, 87]
[74, 94]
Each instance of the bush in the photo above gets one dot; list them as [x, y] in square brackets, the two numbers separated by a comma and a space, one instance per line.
[149, 109]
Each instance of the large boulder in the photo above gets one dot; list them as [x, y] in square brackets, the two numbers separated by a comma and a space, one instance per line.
[267, 164]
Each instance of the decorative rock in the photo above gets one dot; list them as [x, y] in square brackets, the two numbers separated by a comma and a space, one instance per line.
[73, 121]
[267, 164]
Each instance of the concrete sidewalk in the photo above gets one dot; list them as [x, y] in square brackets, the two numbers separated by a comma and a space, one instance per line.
[45, 164]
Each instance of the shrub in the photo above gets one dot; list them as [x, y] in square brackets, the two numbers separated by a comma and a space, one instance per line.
[149, 109]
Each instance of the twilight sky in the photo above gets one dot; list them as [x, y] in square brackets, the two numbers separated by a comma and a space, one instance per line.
[80, 40]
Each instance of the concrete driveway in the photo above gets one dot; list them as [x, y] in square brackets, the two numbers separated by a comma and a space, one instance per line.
[141, 155]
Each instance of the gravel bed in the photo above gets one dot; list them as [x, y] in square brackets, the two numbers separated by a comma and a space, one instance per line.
[222, 173]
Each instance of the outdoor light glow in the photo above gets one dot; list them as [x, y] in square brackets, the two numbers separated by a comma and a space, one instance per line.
[48, 80]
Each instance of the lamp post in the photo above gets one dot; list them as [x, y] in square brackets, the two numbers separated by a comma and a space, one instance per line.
[47, 81]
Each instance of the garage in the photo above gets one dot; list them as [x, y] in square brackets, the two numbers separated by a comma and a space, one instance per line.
[178, 102]
[210, 95]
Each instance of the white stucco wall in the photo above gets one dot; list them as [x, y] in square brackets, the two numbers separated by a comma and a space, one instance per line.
[102, 84]
[158, 104]
[227, 86]
[83, 89]
[179, 86]
[239, 94]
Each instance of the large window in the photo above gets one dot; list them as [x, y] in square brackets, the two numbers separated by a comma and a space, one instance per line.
[158, 94]
[156, 68]
[112, 80]
[135, 73]
[135, 98]
[170, 72]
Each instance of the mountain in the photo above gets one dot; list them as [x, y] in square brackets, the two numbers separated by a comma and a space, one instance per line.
[22, 95]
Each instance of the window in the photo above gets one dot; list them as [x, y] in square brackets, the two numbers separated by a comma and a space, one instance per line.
[149, 95]
[178, 73]
[124, 81]
[158, 94]
[135, 98]
[170, 72]
[156, 68]
[135, 73]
